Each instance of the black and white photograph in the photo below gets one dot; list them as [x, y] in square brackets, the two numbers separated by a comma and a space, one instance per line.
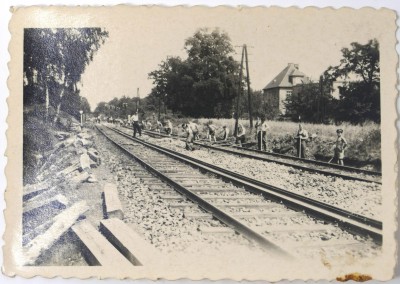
[193, 142]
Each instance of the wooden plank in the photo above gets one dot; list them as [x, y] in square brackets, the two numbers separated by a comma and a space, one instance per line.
[97, 250]
[329, 243]
[173, 197]
[113, 206]
[216, 230]
[33, 190]
[293, 228]
[210, 190]
[36, 203]
[241, 197]
[269, 215]
[198, 215]
[68, 170]
[38, 230]
[130, 244]
[247, 205]
[62, 222]
[181, 205]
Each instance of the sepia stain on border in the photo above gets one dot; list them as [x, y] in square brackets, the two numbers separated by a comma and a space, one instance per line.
[355, 277]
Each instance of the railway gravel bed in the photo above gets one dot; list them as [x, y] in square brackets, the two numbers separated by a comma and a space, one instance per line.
[167, 232]
[332, 190]
[149, 214]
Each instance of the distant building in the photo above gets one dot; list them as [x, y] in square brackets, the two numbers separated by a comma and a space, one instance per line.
[276, 91]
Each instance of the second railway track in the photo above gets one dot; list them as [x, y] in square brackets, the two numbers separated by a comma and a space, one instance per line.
[251, 209]
[344, 172]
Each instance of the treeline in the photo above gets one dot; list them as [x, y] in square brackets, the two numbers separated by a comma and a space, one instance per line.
[54, 61]
[359, 100]
[206, 84]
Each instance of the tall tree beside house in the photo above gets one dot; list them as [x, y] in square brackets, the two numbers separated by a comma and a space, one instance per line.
[360, 94]
[312, 102]
[203, 84]
[54, 61]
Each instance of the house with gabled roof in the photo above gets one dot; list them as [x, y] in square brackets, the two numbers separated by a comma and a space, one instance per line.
[276, 91]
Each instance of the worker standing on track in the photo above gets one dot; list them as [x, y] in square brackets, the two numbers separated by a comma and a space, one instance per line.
[211, 131]
[262, 128]
[168, 127]
[341, 144]
[136, 125]
[190, 136]
[301, 138]
[241, 135]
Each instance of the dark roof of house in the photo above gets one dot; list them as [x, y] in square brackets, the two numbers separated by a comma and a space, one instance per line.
[282, 79]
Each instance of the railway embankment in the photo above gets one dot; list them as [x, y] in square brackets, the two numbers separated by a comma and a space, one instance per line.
[64, 189]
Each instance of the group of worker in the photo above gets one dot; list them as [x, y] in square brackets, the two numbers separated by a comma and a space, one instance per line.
[192, 133]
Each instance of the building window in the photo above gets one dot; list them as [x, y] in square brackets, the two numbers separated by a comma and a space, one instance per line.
[288, 93]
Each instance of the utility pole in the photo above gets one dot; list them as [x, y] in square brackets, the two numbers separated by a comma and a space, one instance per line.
[238, 95]
[159, 106]
[248, 85]
[321, 110]
[138, 100]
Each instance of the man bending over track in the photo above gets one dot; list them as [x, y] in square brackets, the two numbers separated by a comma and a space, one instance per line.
[190, 136]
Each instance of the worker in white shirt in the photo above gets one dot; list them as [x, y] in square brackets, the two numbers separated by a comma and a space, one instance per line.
[241, 135]
[136, 125]
[262, 127]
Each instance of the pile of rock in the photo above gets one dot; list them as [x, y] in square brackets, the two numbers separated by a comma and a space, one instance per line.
[49, 205]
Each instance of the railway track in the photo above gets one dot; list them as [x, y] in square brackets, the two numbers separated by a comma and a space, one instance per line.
[344, 172]
[258, 211]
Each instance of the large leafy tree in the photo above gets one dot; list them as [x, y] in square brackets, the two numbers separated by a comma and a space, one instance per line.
[204, 84]
[312, 102]
[360, 95]
[54, 61]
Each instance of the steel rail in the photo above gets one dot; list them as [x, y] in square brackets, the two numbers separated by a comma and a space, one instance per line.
[312, 170]
[354, 222]
[321, 163]
[218, 213]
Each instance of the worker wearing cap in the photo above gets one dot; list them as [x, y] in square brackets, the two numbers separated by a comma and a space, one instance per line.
[340, 145]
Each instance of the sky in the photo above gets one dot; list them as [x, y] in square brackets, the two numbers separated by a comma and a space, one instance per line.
[139, 39]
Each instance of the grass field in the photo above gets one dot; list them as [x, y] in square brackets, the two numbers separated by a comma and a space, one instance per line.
[364, 142]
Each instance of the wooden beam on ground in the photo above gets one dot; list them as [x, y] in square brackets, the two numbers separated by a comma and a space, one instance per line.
[293, 228]
[113, 207]
[35, 189]
[40, 201]
[216, 230]
[62, 222]
[130, 244]
[96, 248]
